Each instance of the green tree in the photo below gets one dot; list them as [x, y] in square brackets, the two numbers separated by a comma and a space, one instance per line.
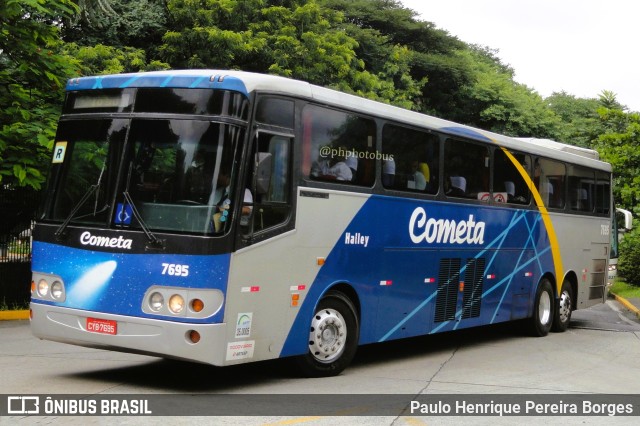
[619, 145]
[32, 75]
[494, 101]
[298, 39]
[451, 79]
[580, 123]
[102, 59]
[629, 262]
[431, 69]
[119, 23]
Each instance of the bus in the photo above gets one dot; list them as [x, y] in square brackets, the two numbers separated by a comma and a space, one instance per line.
[226, 217]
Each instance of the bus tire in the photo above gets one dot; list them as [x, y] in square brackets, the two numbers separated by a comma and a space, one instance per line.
[543, 310]
[333, 337]
[563, 308]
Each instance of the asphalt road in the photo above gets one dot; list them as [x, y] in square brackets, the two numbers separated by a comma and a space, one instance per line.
[599, 354]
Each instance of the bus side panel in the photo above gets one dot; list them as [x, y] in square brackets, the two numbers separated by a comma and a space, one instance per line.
[279, 281]
[410, 263]
[584, 244]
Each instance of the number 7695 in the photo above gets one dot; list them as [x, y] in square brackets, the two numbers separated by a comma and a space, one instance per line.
[175, 269]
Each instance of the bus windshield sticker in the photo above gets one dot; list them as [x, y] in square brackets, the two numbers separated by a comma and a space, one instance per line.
[58, 152]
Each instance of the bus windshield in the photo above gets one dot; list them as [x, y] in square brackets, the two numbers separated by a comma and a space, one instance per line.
[177, 173]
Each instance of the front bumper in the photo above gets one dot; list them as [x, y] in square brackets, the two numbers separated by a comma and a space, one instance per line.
[135, 335]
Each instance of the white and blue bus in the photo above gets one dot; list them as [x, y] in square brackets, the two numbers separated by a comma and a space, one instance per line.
[225, 217]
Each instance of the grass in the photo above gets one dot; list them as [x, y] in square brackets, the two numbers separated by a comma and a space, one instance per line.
[625, 290]
[13, 306]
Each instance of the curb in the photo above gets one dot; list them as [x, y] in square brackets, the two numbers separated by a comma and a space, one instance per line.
[626, 304]
[14, 315]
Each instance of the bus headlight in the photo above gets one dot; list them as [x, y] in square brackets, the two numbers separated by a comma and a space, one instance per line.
[57, 290]
[47, 287]
[176, 303]
[182, 302]
[156, 301]
[43, 288]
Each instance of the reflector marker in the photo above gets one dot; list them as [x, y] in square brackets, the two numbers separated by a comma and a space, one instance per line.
[386, 282]
[528, 274]
[491, 276]
[300, 287]
[252, 289]
[429, 280]
[295, 299]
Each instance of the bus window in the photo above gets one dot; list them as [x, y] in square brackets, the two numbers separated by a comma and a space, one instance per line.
[270, 203]
[508, 184]
[276, 112]
[338, 146]
[91, 148]
[582, 184]
[466, 170]
[182, 173]
[549, 178]
[410, 159]
[192, 101]
[603, 193]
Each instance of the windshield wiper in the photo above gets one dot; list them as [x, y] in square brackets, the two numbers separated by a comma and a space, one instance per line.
[72, 215]
[154, 242]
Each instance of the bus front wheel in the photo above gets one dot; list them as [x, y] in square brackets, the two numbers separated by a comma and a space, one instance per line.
[333, 337]
[543, 310]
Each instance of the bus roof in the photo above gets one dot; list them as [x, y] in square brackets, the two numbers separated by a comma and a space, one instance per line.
[248, 82]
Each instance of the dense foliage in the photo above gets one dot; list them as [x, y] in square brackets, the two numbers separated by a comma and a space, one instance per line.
[629, 261]
[374, 48]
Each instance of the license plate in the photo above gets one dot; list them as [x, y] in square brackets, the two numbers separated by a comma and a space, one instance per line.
[95, 325]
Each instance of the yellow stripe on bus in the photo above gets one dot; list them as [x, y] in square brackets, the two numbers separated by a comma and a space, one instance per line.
[553, 239]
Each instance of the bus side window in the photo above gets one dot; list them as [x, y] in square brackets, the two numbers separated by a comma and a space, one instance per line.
[582, 187]
[271, 197]
[466, 170]
[603, 193]
[549, 178]
[410, 159]
[338, 147]
[507, 179]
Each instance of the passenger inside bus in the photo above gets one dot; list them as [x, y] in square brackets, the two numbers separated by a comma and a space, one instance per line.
[455, 186]
[419, 176]
[334, 168]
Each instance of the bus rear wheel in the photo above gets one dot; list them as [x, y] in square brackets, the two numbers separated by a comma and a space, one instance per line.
[563, 310]
[333, 337]
[543, 310]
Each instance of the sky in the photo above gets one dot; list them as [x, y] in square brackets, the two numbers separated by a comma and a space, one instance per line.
[581, 47]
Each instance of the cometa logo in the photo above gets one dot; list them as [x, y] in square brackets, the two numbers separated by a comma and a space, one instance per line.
[443, 230]
[86, 239]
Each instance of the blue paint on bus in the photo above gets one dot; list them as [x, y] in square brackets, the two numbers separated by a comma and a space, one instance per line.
[394, 267]
[164, 79]
[115, 283]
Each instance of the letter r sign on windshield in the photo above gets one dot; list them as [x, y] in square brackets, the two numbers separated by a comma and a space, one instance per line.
[58, 152]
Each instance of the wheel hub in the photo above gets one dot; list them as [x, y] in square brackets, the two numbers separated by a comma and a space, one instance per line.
[544, 308]
[564, 309]
[327, 336]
